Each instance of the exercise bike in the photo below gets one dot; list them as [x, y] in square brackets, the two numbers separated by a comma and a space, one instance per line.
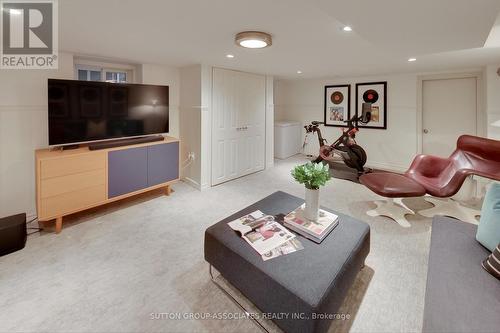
[353, 155]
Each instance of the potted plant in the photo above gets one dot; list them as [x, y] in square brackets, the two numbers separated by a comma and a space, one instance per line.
[312, 175]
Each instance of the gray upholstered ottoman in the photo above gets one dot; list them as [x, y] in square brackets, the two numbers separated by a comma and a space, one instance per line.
[461, 296]
[304, 284]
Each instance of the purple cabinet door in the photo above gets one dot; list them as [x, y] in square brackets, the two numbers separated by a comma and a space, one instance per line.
[163, 163]
[127, 171]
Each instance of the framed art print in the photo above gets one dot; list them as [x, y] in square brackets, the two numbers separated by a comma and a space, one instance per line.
[337, 105]
[376, 94]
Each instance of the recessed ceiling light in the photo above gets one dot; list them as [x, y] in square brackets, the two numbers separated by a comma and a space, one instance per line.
[299, 72]
[229, 56]
[347, 28]
[253, 39]
[412, 59]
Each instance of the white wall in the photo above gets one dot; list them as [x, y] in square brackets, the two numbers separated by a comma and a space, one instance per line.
[24, 127]
[492, 100]
[190, 122]
[206, 126]
[167, 76]
[394, 148]
[196, 120]
[269, 122]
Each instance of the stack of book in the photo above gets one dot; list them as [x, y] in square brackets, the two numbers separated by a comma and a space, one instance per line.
[313, 230]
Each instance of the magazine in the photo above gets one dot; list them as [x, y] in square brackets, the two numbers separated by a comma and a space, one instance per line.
[286, 248]
[261, 231]
[314, 230]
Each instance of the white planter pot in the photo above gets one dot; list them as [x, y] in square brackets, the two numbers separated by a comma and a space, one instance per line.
[311, 210]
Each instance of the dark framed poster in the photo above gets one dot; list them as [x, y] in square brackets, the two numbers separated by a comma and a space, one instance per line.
[376, 94]
[337, 105]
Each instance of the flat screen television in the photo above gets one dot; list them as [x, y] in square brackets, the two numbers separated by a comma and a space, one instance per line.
[85, 111]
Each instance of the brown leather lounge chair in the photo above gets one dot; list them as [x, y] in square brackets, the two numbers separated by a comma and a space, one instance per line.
[435, 176]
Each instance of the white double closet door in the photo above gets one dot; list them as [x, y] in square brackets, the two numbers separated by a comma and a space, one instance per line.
[238, 124]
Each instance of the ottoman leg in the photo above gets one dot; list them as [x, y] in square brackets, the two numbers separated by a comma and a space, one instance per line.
[450, 208]
[235, 300]
[394, 209]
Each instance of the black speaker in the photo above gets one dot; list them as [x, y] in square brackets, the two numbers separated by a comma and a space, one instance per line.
[12, 233]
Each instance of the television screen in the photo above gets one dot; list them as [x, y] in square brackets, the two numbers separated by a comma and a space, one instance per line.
[83, 111]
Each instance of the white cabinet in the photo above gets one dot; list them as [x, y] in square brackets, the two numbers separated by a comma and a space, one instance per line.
[287, 138]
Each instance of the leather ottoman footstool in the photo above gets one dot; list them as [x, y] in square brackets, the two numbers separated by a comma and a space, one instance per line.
[308, 285]
[392, 185]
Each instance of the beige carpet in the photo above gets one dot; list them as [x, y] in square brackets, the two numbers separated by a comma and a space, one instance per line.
[137, 265]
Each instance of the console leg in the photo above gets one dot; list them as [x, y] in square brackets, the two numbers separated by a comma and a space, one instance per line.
[394, 209]
[59, 224]
[168, 190]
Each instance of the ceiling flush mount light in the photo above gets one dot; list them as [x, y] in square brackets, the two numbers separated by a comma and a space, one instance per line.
[347, 28]
[299, 72]
[229, 56]
[412, 59]
[253, 39]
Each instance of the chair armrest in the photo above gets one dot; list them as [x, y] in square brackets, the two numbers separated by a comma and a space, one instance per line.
[428, 165]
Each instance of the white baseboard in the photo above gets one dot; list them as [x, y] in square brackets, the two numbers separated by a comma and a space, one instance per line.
[373, 164]
[191, 182]
[387, 166]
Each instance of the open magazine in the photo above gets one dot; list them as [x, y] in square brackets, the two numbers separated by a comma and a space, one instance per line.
[286, 248]
[261, 231]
